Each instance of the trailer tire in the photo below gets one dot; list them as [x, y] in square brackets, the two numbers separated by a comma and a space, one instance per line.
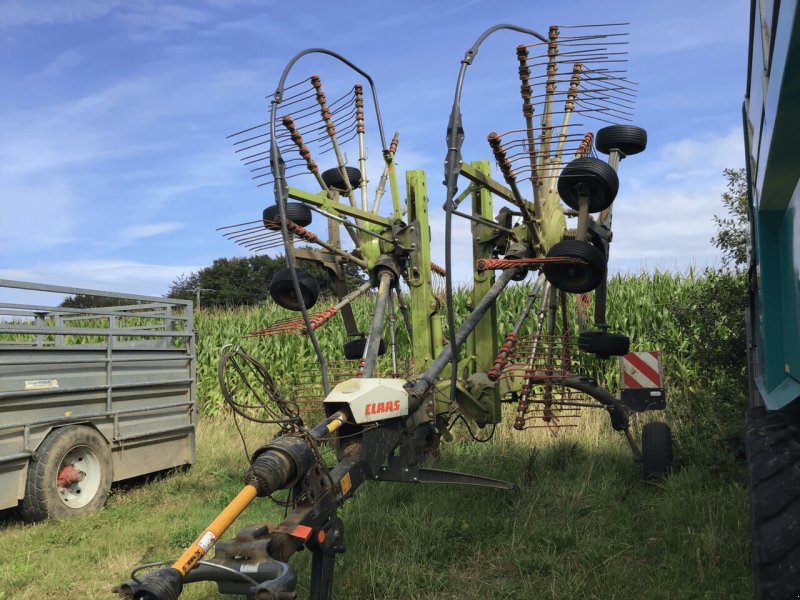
[333, 178]
[773, 457]
[295, 211]
[604, 344]
[354, 349]
[598, 178]
[70, 475]
[628, 139]
[576, 278]
[281, 288]
[656, 451]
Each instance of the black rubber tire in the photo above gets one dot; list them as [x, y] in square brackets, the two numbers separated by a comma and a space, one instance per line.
[597, 176]
[333, 178]
[354, 349]
[656, 451]
[604, 344]
[295, 211]
[572, 277]
[281, 288]
[42, 497]
[628, 139]
[773, 457]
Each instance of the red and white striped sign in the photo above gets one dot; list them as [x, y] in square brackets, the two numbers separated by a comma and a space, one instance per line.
[641, 370]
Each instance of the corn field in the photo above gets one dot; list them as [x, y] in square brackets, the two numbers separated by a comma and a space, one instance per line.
[705, 405]
[638, 305]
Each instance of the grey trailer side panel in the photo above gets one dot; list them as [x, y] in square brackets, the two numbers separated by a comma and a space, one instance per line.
[126, 371]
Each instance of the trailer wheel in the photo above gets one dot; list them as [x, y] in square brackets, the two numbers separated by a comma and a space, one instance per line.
[628, 139]
[354, 349]
[281, 288]
[70, 475]
[575, 278]
[656, 450]
[773, 457]
[604, 344]
[295, 211]
[333, 178]
[598, 178]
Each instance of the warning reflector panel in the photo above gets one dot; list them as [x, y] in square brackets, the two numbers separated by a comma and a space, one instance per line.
[641, 370]
[642, 381]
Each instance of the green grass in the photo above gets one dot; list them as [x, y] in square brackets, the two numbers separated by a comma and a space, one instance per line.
[581, 524]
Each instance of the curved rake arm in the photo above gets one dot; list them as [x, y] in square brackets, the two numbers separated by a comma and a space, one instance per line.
[281, 190]
[452, 165]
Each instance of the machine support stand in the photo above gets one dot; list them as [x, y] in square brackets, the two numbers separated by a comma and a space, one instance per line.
[328, 543]
[322, 564]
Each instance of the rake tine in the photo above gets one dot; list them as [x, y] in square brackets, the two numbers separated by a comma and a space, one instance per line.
[305, 153]
[362, 155]
[331, 129]
[527, 112]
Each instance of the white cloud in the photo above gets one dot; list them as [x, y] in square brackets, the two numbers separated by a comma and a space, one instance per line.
[138, 16]
[138, 232]
[148, 19]
[698, 158]
[37, 217]
[108, 275]
[57, 67]
[52, 12]
[663, 214]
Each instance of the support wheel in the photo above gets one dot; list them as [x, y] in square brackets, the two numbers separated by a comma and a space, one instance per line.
[295, 211]
[354, 349]
[604, 344]
[773, 461]
[576, 277]
[656, 451]
[70, 475]
[594, 177]
[281, 288]
[628, 139]
[333, 178]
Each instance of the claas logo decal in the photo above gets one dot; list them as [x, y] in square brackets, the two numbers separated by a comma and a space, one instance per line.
[376, 408]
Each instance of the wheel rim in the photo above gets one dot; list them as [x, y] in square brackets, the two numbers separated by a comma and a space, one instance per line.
[78, 477]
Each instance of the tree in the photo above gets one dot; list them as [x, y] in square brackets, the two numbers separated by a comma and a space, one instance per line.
[184, 286]
[710, 320]
[86, 301]
[733, 231]
[239, 281]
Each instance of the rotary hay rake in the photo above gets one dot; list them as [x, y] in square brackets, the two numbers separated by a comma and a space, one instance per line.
[380, 411]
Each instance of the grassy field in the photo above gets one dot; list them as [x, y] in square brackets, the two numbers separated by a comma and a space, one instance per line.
[581, 523]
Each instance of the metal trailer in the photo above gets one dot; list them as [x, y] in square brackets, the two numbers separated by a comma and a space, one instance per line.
[90, 396]
[771, 124]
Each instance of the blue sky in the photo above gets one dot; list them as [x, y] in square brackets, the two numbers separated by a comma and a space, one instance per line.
[115, 170]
